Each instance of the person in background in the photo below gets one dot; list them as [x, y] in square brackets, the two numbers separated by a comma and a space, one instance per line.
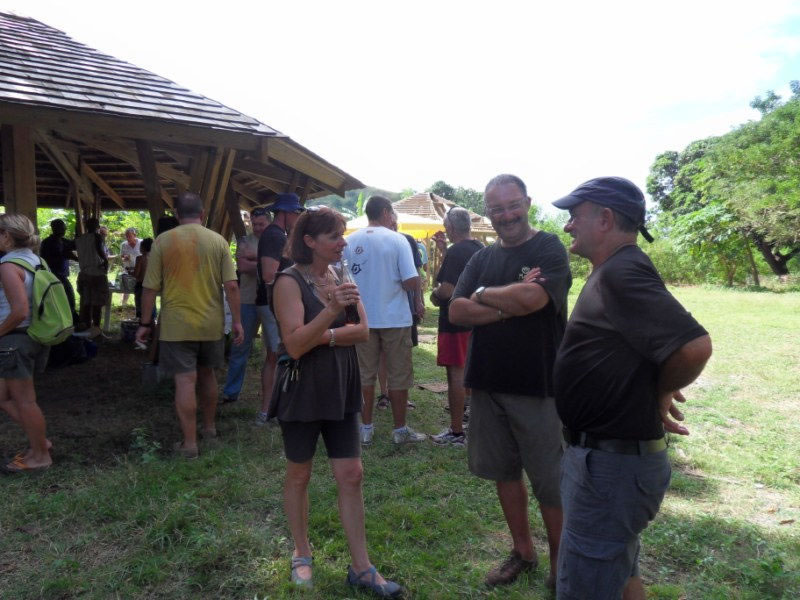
[128, 251]
[318, 391]
[628, 350]
[252, 314]
[272, 260]
[20, 356]
[453, 340]
[383, 267]
[139, 269]
[57, 251]
[191, 266]
[92, 278]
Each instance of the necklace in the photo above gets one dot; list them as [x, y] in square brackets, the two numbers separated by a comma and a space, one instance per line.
[313, 281]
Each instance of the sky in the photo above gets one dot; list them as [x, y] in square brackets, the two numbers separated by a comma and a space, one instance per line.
[402, 94]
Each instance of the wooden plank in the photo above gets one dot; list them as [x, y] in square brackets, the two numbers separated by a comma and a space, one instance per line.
[167, 198]
[262, 170]
[19, 170]
[210, 179]
[9, 181]
[198, 171]
[128, 152]
[58, 157]
[152, 187]
[234, 212]
[280, 150]
[79, 222]
[246, 192]
[292, 185]
[217, 209]
[101, 183]
[82, 122]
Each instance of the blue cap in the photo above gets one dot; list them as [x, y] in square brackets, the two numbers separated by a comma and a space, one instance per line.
[616, 193]
[287, 203]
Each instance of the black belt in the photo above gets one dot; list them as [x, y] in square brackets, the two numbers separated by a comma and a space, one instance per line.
[587, 440]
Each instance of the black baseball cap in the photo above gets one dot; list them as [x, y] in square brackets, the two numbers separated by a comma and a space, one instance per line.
[616, 193]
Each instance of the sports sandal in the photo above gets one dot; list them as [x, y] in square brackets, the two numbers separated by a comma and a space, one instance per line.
[18, 465]
[390, 589]
[301, 561]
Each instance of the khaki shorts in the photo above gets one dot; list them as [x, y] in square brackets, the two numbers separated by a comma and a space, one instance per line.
[396, 342]
[93, 289]
[21, 357]
[185, 357]
[509, 433]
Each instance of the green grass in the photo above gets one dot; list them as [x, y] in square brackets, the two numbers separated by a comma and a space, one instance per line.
[117, 517]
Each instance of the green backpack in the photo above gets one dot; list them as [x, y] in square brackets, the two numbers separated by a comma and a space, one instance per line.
[51, 315]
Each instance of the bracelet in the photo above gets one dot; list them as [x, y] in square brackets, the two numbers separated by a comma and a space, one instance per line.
[332, 343]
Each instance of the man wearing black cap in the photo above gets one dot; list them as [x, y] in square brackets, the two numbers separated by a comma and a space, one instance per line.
[628, 350]
[286, 208]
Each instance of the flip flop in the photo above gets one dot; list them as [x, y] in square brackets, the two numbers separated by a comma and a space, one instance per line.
[18, 465]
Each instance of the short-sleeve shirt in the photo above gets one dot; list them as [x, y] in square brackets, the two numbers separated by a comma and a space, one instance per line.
[380, 260]
[55, 252]
[248, 282]
[625, 324]
[516, 355]
[129, 254]
[453, 265]
[189, 265]
[91, 254]
[271, 244]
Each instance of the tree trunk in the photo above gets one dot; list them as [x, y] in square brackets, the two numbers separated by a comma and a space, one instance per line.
[753, 267]
[775, 261]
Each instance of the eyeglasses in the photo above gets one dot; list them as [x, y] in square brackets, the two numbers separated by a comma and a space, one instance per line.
[495, 211]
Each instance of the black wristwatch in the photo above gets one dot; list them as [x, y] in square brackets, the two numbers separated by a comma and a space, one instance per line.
[479, 292]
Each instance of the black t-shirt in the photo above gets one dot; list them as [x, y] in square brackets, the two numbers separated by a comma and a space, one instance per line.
[455, 260]
[515, 356]
[625, 324]
[270, 245]
[55, 251]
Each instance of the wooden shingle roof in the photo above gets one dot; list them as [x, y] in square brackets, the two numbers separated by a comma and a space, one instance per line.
[82, 129]
[40, 65]
[433, 206]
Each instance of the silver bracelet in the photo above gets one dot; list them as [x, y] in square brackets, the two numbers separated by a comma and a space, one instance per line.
[332, 343]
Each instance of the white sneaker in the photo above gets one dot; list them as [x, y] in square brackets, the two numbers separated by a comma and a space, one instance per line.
[365, 434]
[407, 435]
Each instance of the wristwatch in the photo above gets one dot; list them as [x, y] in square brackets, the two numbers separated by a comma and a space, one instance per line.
[479, 292]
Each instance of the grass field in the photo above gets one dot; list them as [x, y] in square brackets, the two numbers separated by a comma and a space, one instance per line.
[118, 517]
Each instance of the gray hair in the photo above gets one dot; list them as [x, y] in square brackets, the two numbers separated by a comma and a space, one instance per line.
[504, 179]
[459, 219]
[131, 230]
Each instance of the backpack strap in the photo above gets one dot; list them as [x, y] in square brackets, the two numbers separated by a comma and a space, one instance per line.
[21, 262]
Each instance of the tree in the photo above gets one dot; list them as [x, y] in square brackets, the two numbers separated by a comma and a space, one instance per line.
[463, 196]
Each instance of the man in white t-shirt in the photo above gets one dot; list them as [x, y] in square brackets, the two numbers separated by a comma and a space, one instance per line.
[383, 268]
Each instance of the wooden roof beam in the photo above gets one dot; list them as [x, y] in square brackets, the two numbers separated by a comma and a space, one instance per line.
[281, 150]
[152, 187]
[61, 161]
[101, 183]
[262, 170]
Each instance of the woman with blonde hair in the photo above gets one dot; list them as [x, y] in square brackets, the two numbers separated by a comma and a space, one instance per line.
[20, 356]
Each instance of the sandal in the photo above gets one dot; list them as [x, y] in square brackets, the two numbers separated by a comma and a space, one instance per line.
[301, 561]
[18, 465]
[188, 453]
[390, 589]
[383, 401]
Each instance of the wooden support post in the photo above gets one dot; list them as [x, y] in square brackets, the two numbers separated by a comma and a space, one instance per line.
[19, 177]
[292, 187]
[79, 224]
[210, 179]
[234, 212]
[217, 208]
[152, 187]
[198, 172]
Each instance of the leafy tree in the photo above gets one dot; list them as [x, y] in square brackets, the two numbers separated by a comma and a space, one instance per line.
[463, 196]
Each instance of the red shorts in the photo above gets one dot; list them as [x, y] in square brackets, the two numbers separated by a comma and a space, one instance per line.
[452, 349]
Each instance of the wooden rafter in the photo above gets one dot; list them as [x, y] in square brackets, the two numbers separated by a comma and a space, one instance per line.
[101, 183]
[152, 187]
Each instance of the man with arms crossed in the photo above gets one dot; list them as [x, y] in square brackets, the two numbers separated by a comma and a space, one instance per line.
[514, 296]
[383, 268]
[190, 265]
[628, 350]
[452, 340]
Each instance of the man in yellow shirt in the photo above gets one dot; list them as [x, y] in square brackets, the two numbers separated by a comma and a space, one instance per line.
[190, 265]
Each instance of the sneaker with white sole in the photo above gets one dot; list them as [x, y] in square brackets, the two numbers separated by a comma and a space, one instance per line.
[365, 434]
[261, 419]
[406, 435]
[447, 438]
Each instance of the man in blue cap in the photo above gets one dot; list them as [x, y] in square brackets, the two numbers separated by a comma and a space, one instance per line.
[628, 349]
[286, 208]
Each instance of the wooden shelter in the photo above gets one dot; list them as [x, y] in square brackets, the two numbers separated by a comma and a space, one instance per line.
[84, 130]
[433, 206]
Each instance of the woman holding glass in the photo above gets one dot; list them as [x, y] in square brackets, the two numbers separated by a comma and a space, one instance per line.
[318, 391]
